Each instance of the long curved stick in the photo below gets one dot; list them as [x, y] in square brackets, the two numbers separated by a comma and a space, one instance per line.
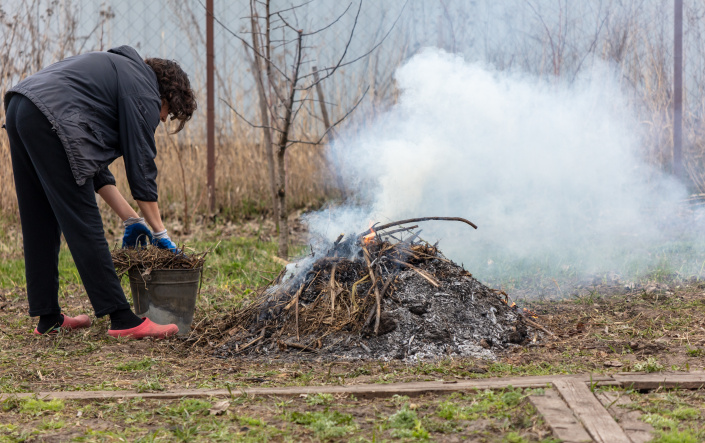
[414, 220]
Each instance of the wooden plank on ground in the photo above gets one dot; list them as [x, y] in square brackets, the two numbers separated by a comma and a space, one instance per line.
[361, 391]
[559, 417]
[671, 380]
[588, 409]
[628, 419]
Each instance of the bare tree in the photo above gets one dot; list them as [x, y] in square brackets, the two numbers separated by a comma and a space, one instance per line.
[283, 87]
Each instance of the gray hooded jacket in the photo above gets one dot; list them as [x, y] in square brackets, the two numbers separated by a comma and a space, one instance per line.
[102, 105]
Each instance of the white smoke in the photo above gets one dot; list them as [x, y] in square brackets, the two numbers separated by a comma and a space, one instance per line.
[549, 171]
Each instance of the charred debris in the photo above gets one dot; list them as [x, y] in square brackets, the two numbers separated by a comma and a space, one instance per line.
[384, 294]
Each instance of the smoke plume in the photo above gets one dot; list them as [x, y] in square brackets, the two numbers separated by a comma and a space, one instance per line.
[550, 171]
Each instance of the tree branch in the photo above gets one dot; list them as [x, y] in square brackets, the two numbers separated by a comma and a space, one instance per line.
[331, 23]
[246, 120]
[292, 8]
[330, 70]
[334, 124]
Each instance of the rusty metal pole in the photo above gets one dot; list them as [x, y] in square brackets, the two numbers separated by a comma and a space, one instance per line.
[678, 88]
[210, 112]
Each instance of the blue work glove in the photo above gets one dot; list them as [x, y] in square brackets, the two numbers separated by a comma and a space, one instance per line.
[137, 234]
[162, 241]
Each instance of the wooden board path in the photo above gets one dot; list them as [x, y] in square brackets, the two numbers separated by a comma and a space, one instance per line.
[360, 391]
[637, 430]
[588, 409]
[559, 417]
[572, 411]
[655, 380]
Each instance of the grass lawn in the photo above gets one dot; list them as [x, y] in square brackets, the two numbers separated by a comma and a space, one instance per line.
[603, 330]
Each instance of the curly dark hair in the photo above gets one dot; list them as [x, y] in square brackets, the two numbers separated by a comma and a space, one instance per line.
[175, 88]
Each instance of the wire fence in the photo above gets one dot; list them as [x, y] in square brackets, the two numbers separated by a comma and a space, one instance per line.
[40, 32]
[550, 39]
[542, 37]
[175, 29]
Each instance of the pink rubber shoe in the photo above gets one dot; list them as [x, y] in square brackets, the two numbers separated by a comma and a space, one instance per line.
[69, 323]
[147, 329]
[78, 322]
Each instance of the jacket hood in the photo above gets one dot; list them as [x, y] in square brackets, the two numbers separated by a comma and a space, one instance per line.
[102, 105]
[127, 51]
[130, 53]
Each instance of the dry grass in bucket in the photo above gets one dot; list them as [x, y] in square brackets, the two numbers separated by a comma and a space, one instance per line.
[149, 259]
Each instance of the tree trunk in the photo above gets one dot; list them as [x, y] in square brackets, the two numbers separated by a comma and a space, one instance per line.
[257, 71]
[283, 249]
[331, 134]
[281, 154]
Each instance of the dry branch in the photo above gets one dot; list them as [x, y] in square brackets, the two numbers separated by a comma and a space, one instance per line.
[414, 220]
[419, 271]
[538, 326]
[378, 296]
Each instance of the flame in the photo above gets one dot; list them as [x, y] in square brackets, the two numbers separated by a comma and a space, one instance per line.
[366, 240]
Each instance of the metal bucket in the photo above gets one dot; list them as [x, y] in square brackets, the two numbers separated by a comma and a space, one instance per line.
[166, 296]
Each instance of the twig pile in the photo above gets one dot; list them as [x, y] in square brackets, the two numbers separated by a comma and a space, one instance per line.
[151, 258]
[351, 292]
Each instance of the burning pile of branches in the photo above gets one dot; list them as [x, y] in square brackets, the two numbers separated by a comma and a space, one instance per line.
[152, 258]
[375, 291]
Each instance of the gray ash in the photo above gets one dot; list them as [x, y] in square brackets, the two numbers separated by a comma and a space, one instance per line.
[430, 308]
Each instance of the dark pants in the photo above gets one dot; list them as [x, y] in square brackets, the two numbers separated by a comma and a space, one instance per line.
[50, 203]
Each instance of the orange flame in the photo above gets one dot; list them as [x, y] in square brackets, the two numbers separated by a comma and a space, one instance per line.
[366, 240]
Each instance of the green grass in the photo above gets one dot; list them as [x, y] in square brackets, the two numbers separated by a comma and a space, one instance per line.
[320, 399]
[659, 421]
[326, 424]
[136, 365]
[675, 436]
[38, 407]
[12, 271]
[405, 424]
[11, 383]
[150, 383]
[675, 415]
[695, 352]
[52, 424]
[497, 403]
[186, 408]
[650, 365]
[506, 410]
[240, 262]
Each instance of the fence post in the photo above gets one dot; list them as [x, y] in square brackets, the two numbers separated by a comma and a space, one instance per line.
[210, 112]
[678, 88]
